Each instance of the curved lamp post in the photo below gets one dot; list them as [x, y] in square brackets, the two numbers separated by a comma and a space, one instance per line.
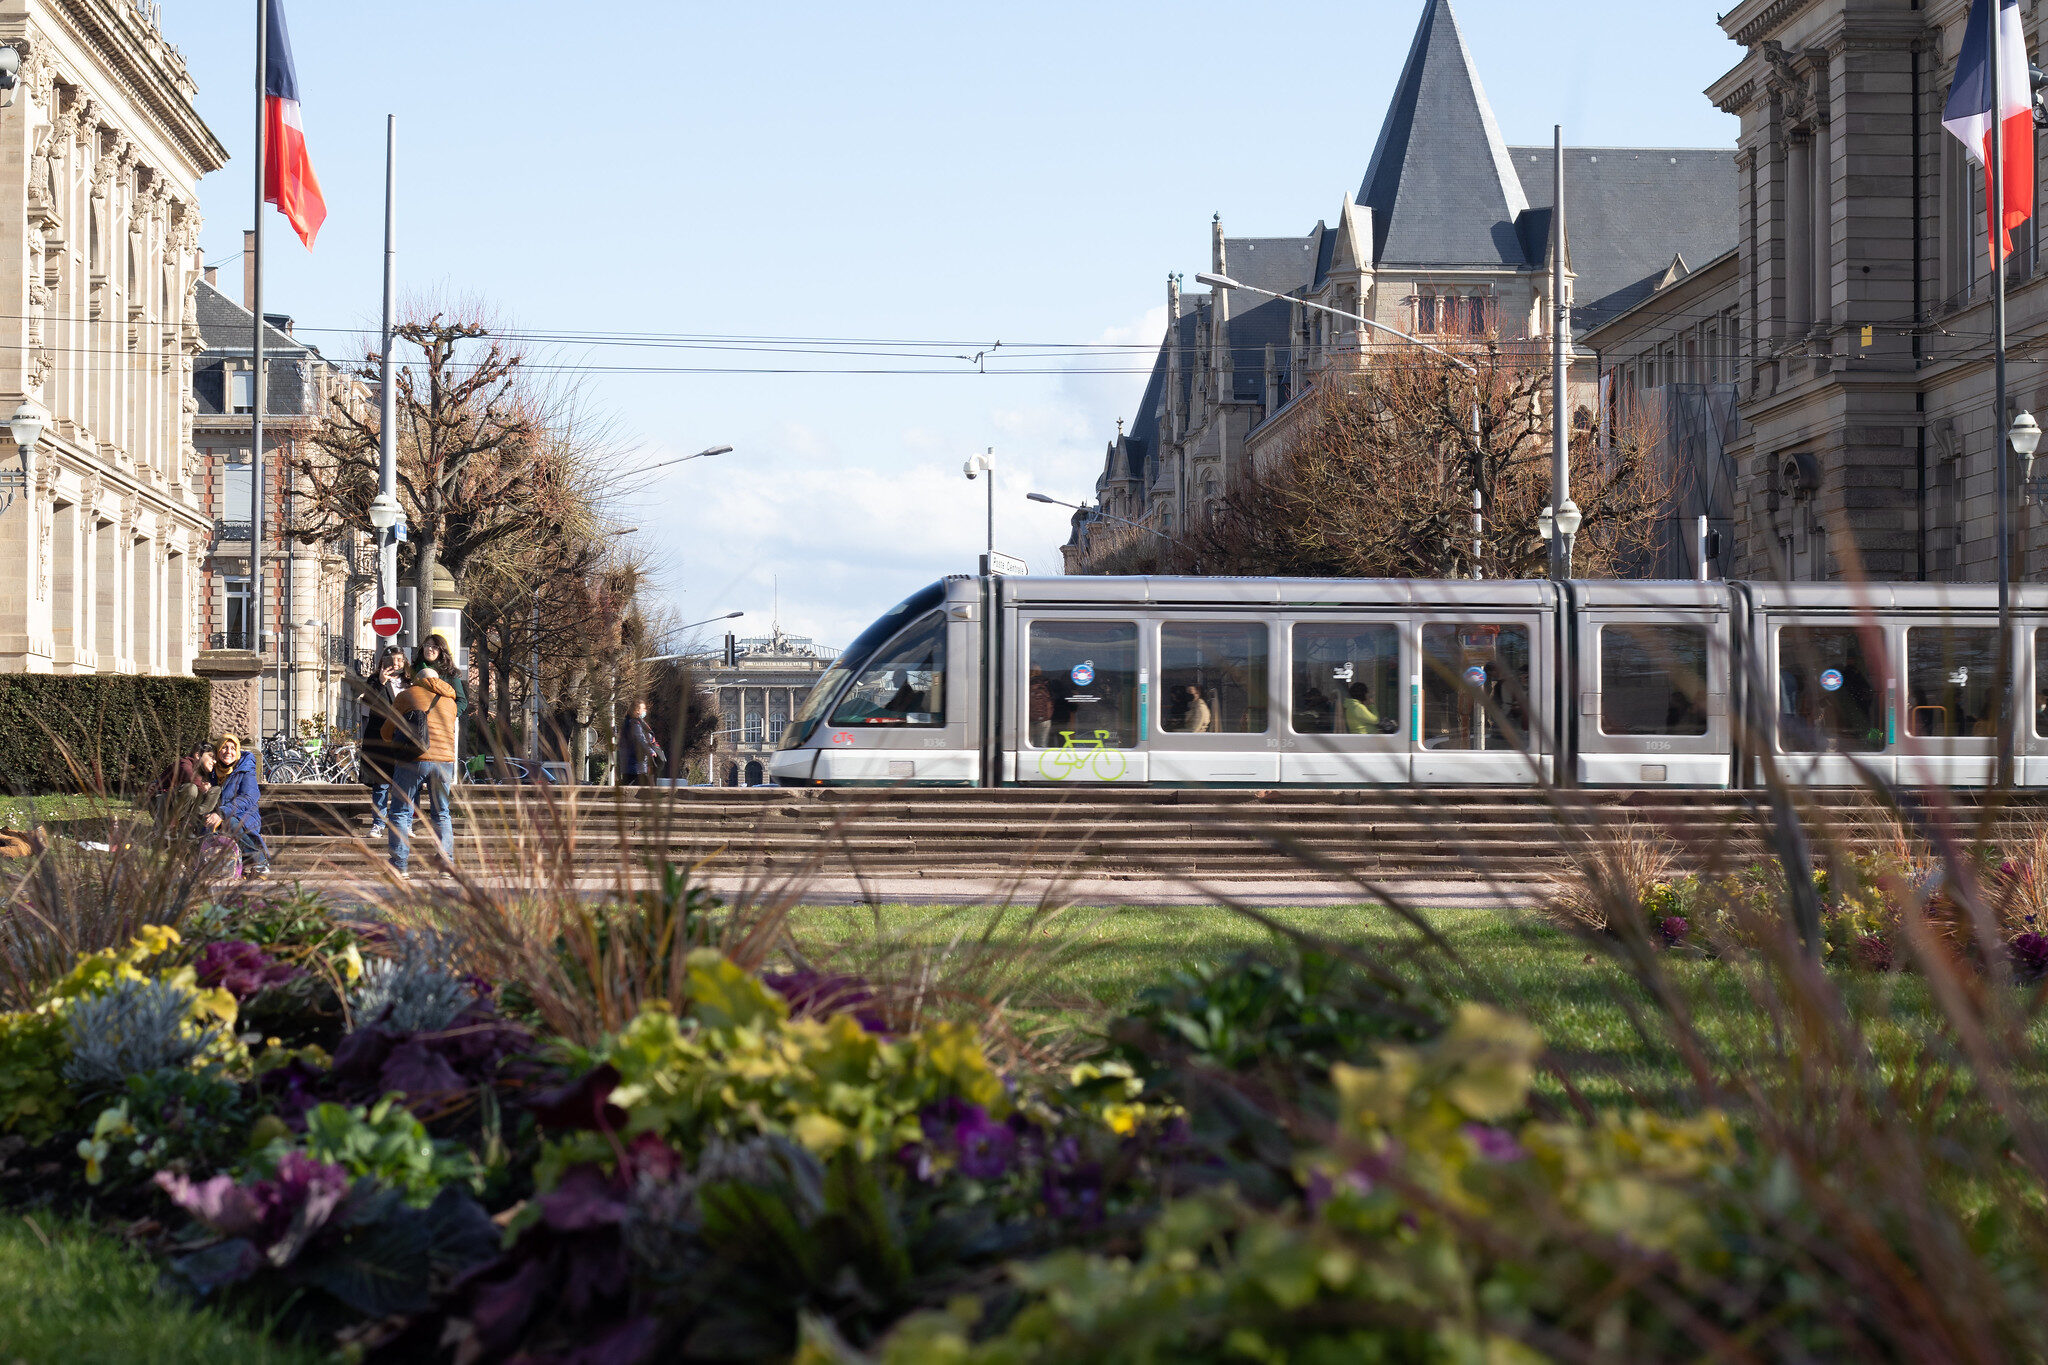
[26, 426]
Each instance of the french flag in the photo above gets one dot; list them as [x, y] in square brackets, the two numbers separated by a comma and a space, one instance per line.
[1975, 100]
[288, 179]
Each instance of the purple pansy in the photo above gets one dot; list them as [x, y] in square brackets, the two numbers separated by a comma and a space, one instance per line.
[1494, 1144]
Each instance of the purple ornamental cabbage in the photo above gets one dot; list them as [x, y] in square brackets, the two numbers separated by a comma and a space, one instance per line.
[243, 968]
[2030, 955]
[298, 1202]
[811, 992]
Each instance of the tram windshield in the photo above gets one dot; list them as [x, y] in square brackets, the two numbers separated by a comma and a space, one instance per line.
[1653, 680]
[1827, 692]
[1475, 686]
[1347, 680]
[855, 657]
[905, 684]
[1951, 683]
[1212, 677]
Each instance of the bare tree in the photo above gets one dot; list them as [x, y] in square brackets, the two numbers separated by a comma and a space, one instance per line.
[1377, 481]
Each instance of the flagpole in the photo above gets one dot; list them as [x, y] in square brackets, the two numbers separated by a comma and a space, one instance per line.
[1994, 220]
[256, 383]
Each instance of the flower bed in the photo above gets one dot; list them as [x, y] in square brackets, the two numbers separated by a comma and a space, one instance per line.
[1293, 1155]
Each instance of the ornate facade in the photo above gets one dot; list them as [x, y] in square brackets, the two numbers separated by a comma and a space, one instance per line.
[1448, 239]
[100, 158]
[756, 699]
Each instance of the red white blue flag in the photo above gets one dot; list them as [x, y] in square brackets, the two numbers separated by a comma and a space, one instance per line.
[1977, 98]
[288, 179]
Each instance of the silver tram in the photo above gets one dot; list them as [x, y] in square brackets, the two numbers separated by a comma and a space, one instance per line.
[1220, 682]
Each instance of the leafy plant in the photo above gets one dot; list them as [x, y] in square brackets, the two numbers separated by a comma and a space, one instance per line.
[418, 991]
[181, 1121]
[132, 1028]
[383, 1141]
[309, 1242]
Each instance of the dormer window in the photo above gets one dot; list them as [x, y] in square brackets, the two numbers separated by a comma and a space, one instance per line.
[241, 392]
[1446, 314]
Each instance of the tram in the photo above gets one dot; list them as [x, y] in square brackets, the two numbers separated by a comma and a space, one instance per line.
[1268, 683]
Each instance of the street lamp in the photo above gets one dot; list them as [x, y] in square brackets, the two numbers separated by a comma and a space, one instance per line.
[10, 75]
[26, 426]
[1568, 519]
[1099, 512]
[684, 459]
[974, 468]
[664, 658]
[2025, 436]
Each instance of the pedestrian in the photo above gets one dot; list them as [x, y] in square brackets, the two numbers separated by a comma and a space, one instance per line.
[428, 707]
[642, 751]
[436, 654]
[240, 813]
[374, 758]
[189, 777]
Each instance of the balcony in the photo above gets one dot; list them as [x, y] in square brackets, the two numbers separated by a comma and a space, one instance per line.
[231, 639]
[230, 530]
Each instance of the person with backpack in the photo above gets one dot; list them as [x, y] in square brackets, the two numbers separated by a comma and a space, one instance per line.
[374, 759]
[425, 748]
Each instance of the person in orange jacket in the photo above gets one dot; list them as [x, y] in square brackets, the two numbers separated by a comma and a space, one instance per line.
[428, 707]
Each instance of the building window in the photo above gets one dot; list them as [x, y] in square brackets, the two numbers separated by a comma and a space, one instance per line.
[241, 392]
[237, 491]
[1425, 314]
[1453, 315]
[236, 616]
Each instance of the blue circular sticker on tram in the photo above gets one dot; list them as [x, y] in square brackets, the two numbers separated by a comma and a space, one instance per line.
[1476, 675]
[1083, 674]
[1832, 680]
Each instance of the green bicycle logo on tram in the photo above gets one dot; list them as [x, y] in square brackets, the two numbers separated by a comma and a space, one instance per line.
[1103, 763]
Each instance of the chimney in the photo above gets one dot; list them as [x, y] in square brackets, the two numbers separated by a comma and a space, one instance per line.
[213, 276]
[249, 270]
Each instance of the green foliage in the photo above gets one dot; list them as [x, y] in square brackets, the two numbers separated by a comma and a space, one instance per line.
[35, 1046]
[384, 1141]
[190, 1122]
[61, 732]
[736, 1066]
[1251, 1013]
[291, 922]
[69, 1293]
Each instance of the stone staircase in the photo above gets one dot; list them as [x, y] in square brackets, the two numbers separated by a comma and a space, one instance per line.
[1450, 834]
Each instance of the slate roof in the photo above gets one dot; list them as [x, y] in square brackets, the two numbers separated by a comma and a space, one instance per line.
[1628, 211]
[1440, 185]
[225, 327]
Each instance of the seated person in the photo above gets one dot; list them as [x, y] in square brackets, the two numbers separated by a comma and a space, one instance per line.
[1359, 717]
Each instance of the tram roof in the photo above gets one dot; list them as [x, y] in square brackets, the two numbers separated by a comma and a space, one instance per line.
[1853, 597]
[1102, 590]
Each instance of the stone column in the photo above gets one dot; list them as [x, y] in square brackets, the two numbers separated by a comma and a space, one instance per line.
[1800, 234]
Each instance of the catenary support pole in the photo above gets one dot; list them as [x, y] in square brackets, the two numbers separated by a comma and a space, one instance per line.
[256, 378]
[387, 431]
[1560, 342]
[1994, 221]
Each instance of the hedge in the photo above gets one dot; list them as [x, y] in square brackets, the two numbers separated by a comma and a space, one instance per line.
[64, 733]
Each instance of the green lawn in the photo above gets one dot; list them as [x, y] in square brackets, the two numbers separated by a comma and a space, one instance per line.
[1581, 999]
[72, 1296]
[26, 812]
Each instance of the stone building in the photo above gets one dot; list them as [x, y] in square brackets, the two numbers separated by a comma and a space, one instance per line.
[757, 699]
[315, 617]
[1448, 238]
[101, 153]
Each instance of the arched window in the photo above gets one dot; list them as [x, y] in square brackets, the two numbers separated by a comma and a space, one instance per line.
[92, 238]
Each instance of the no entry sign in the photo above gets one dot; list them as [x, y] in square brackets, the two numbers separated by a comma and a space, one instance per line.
[386, 621]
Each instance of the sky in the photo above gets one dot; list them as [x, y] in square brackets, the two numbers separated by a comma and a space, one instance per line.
[945, 177]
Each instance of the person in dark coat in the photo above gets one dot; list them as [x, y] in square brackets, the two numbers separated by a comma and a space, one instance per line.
[179, 790]
[642, 752]
[241, 812]
[374, 758]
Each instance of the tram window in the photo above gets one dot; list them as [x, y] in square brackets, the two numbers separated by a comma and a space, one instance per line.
[1084, 684]
[906, 683]
[1653, 680]
[1827, 692]
[1475, 686]
[1951, 683]
[1347, 680]
[1212, 677]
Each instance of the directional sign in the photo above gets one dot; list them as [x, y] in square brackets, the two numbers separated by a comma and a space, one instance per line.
[386, 621]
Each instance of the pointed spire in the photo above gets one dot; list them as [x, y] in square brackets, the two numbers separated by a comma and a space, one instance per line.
[1441, 187]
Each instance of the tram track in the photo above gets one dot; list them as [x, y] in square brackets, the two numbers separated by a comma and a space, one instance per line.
[1380, 833]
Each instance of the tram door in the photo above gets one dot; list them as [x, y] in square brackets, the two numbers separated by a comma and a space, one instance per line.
[1836, 699]
[1347, 710]
[1653, 697]
[1479, 697]
[1948, 720]
[1087, 701]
